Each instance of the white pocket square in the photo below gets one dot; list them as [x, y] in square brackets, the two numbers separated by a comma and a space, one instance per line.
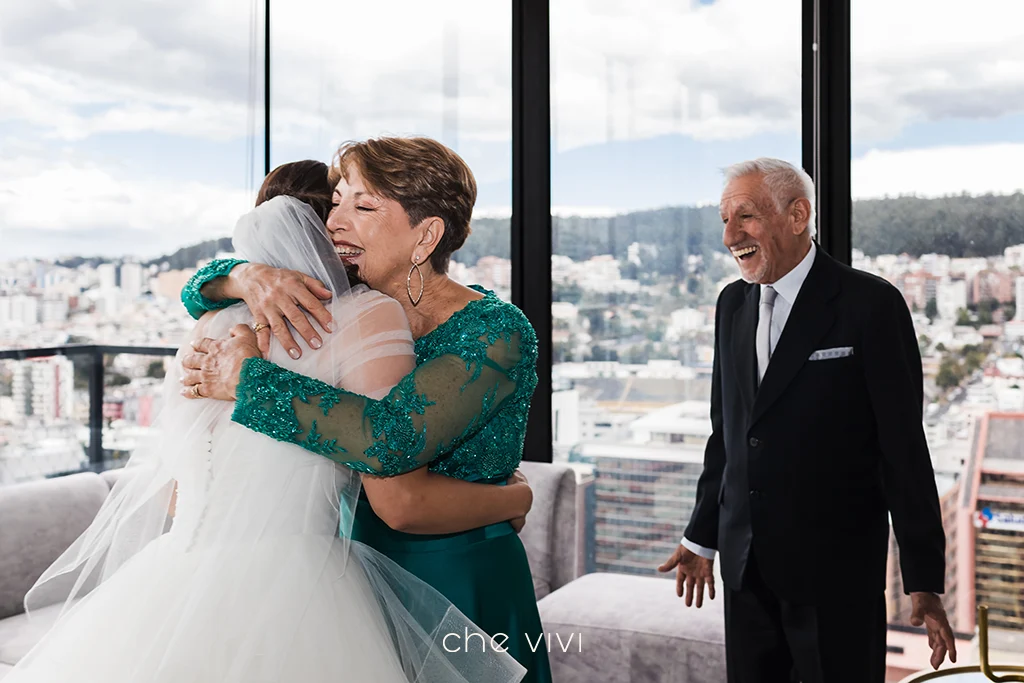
[829, 354]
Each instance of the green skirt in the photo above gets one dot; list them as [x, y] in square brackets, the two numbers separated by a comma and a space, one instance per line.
[484, 572]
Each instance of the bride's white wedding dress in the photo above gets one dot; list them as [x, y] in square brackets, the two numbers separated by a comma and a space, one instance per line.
[251, 583]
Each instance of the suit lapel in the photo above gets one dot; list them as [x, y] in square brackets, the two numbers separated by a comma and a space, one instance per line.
[744, 331]
[809, 321]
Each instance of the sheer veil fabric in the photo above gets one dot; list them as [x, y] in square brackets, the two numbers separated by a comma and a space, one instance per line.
[254, 578]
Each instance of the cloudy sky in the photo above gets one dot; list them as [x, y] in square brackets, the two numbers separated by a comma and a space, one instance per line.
[126, 126]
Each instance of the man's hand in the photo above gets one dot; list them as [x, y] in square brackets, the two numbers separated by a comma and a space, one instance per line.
[274, 296]
[929, 612]
[212, 369]
[692, 571]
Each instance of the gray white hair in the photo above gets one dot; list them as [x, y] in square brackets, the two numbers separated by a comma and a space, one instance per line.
[785, 182]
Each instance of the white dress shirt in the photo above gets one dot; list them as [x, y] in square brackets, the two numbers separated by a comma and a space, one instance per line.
[787, 287]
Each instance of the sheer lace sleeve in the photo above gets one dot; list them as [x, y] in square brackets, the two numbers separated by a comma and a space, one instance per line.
[432, 410]
[195, 303]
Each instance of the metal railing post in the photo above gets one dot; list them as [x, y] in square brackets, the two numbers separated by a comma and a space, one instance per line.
[96, 409]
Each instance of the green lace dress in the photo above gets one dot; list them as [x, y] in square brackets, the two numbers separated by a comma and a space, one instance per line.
[462, 413]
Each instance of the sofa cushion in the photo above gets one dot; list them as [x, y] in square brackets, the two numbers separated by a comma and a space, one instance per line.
[632, 628]
[550, 532]
[38, 521]
[20, 633]
[111, 477]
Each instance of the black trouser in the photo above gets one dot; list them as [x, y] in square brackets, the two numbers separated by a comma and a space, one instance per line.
[770, 640]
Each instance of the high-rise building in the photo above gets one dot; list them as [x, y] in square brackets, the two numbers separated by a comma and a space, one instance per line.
[108, 275]
[950, 298]
[990, 558]
[132, 281]
[19, 310]
[55, 309]
[43, 388]
[644, 490]
[643, 499]
[991, 284]
[1014, 256]
[168, 284]
[1019, 315]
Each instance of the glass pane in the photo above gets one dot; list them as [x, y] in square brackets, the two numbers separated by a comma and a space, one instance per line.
[441, 69]
[127, 135]
[938, 134]
[650, 102]
[44, 412]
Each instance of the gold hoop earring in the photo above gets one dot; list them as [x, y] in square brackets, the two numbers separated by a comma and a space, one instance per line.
[408, 284]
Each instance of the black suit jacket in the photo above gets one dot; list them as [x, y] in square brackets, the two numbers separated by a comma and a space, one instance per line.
[806, 470]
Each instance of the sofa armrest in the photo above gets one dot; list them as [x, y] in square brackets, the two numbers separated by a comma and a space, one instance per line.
[550, 535]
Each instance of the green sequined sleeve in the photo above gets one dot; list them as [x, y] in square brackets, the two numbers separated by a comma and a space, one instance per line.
[431, 411]
[195, 303]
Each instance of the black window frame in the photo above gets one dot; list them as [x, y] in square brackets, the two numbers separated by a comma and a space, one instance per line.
[826, 155]
[825, 105]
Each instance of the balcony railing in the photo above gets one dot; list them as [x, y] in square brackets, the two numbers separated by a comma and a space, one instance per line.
[93, 355]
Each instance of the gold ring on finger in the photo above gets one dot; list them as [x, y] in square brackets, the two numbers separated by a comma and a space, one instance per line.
[259, 326]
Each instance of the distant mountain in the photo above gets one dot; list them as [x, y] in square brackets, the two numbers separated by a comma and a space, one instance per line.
[188, 257]
[78, 261]
[955, 226]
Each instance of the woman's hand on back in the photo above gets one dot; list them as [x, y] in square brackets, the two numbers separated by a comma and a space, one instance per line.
[519, 479]
[213, 368]
[276, 295]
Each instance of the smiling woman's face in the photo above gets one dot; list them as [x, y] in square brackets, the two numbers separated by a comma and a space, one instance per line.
[371, 234]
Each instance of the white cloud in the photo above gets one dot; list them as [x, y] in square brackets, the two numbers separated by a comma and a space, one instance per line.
[64, 198]
[640, 69]
[921, 60]
[723, 71]
[939, 171]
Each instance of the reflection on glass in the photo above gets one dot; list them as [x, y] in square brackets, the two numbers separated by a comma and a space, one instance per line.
[649, 104]
[44, 412]
[440, 69]
[938, 134]
[127, 135]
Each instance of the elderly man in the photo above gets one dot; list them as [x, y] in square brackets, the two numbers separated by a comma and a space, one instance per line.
[817, 442]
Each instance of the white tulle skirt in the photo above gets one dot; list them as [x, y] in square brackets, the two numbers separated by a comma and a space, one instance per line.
[168, 617]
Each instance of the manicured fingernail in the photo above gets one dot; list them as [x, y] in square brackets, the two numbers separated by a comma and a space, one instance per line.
[315, 343]
[294, 353]
[329, 327]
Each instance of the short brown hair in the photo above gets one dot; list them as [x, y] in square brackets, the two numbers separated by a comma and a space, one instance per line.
[425, 177]
[305, 180]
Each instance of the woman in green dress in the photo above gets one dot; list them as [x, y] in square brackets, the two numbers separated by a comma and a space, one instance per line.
[402, 206]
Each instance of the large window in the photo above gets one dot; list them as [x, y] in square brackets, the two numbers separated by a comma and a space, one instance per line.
[132, 140]
[124, 131]
[127, 133]
[938, 134]
[649, 104]
[440, 69]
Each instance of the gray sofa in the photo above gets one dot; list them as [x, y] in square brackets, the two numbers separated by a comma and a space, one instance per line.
[630, 629]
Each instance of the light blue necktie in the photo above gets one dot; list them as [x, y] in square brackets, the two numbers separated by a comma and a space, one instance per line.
[764, 331]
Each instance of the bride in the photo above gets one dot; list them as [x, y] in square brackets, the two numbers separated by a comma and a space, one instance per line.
[252, 582]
